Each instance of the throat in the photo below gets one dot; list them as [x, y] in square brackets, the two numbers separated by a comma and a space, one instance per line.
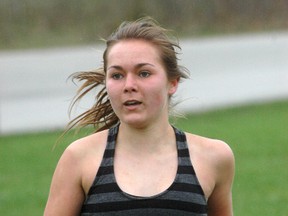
[148, 140]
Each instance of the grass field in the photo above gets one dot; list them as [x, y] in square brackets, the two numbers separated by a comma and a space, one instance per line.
[257, 134]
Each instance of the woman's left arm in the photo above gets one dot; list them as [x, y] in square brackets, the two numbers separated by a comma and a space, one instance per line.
[220, 201]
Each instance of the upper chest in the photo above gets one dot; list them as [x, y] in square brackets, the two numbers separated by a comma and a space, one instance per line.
[148, 175]
[145, 176]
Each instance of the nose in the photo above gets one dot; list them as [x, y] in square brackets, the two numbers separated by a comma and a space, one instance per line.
[130, 83]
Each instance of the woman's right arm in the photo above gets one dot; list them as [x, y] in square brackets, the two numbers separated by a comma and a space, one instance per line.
[66, 192]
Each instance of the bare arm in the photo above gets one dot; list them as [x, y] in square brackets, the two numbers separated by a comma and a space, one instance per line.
[220, 201]
[66, 193]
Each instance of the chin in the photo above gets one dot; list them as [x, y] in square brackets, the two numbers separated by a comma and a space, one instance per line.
[136, 123]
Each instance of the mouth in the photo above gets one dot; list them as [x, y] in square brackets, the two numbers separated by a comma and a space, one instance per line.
[132, 102]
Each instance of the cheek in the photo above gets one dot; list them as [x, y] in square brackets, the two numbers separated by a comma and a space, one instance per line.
[112, 91]
[159, 97]
[159, 93]
[111, 87]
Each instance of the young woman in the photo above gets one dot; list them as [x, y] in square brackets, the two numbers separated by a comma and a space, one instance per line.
[137, 163]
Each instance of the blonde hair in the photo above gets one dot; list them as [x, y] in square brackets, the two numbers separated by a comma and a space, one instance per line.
[101, 114]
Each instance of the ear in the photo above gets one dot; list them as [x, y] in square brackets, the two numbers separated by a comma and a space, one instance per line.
[173, 85]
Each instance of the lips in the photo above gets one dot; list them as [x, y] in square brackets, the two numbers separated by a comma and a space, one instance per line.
[132, 102]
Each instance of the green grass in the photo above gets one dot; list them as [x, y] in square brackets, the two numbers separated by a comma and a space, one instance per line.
[257, 134]
[27, 163]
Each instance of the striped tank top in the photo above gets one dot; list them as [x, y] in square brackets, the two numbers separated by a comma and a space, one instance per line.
[184, 197]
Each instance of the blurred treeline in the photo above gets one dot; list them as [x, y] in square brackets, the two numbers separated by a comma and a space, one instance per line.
[38, 23]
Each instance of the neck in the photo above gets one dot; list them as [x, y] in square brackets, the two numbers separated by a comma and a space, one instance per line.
[154, 139]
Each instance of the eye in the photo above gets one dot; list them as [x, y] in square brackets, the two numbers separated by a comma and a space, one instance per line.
[144, 74]
[117, 76]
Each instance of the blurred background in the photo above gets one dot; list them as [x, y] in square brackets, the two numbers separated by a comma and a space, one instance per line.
[237, 54]
[33, 23]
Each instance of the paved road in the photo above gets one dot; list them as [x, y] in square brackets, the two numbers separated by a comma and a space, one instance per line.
[225, 71]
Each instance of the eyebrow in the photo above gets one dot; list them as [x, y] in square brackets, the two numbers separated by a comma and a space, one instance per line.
[118, 67]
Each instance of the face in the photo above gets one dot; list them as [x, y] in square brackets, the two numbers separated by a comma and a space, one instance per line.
[137, 83]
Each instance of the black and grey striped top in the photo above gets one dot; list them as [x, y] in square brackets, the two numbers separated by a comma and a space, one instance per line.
[184, 197]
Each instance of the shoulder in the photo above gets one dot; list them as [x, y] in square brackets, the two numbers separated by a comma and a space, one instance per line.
[77, 156]
[83, 157]
[82, 149]
[213, 161]
[83, 146]
[214, 150]
[69, 183]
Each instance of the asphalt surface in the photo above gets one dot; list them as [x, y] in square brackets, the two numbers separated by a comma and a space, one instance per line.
[225, 71]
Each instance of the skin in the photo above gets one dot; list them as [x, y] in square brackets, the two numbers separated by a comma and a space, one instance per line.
[146, 152]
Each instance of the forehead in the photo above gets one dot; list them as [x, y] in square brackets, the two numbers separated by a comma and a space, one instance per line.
[133, 49]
